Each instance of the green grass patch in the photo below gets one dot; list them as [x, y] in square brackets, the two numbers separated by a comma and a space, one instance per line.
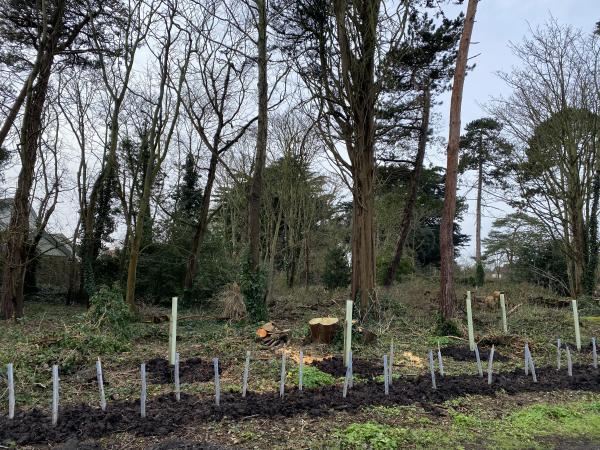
[311, 377]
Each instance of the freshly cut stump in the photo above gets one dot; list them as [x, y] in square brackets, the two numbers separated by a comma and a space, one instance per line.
[322, 329]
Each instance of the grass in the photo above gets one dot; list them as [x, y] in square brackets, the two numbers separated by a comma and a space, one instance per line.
[535, 426]
[56, 334]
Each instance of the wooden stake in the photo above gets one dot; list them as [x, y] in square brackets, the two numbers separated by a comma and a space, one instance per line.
[300, 370]
[173, 331]
[11, 390]
[246, 369]
[470, 322]
[432, 369]
[558, 354]
[217, 382]
[479, 367]
[569, 362]
[100, 379]
[386, 375]
[348, 334]
[576, 322]
[503, 310]
[282, 380]
[594, 354]
[55, 391]
[143, 394]
[490, 365]
[526, 359]
[177, 385]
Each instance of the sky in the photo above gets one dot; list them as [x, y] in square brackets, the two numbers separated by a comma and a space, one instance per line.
[499, 22]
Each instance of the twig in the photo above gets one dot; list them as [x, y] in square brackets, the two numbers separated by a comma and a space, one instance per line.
[513, 309]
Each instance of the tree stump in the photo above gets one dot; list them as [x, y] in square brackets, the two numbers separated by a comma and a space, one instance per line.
[323, 329]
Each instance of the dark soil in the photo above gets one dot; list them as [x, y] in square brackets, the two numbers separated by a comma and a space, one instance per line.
[192, 370]
[362, 367]
[462, 353]
[585, 348]
[186, 445]
[165, 415]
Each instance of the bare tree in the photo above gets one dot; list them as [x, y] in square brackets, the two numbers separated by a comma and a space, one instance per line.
[166, 103]
[217, 85]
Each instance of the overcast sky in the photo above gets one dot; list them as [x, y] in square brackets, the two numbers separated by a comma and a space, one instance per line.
[498, 23]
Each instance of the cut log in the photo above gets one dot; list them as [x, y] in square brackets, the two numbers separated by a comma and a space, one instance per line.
[271, 336]
[323, 329]
[262, 333]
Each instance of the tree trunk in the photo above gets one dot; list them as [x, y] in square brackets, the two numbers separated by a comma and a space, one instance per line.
[412, 190]
[18, 229]
[447, 294]
[478, 214]
[134, 253]
[363, 230]
[272, 252]
[261, 140]
[201, 226]
[592, 263]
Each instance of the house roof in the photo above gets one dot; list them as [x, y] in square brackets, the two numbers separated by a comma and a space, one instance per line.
[56, 244]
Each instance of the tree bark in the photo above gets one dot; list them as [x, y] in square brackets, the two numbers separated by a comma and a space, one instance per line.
[478, 213]
[412, 190]
[261, 140]
[363, 229]
[358, 75]
[201, 226]
[18, 230]
[447, 294]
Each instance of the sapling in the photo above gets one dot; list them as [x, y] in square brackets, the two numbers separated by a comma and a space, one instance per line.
[558, 354]
[55, 390]
[432, 369]
[300, 370]
[245, 378]
[470, 322]
[569, 362]
[386, 375]
[217, 382]
[100, 379]
[490, 365]
[143, 394]
[594, 354]
[176, 375]
[11, 390]
[282, 380]
[479, 367]
[440, 363]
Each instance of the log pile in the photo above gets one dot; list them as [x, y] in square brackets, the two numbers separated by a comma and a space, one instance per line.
[272, 336]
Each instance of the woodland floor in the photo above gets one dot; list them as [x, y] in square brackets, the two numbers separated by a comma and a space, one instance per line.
[464, 412]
